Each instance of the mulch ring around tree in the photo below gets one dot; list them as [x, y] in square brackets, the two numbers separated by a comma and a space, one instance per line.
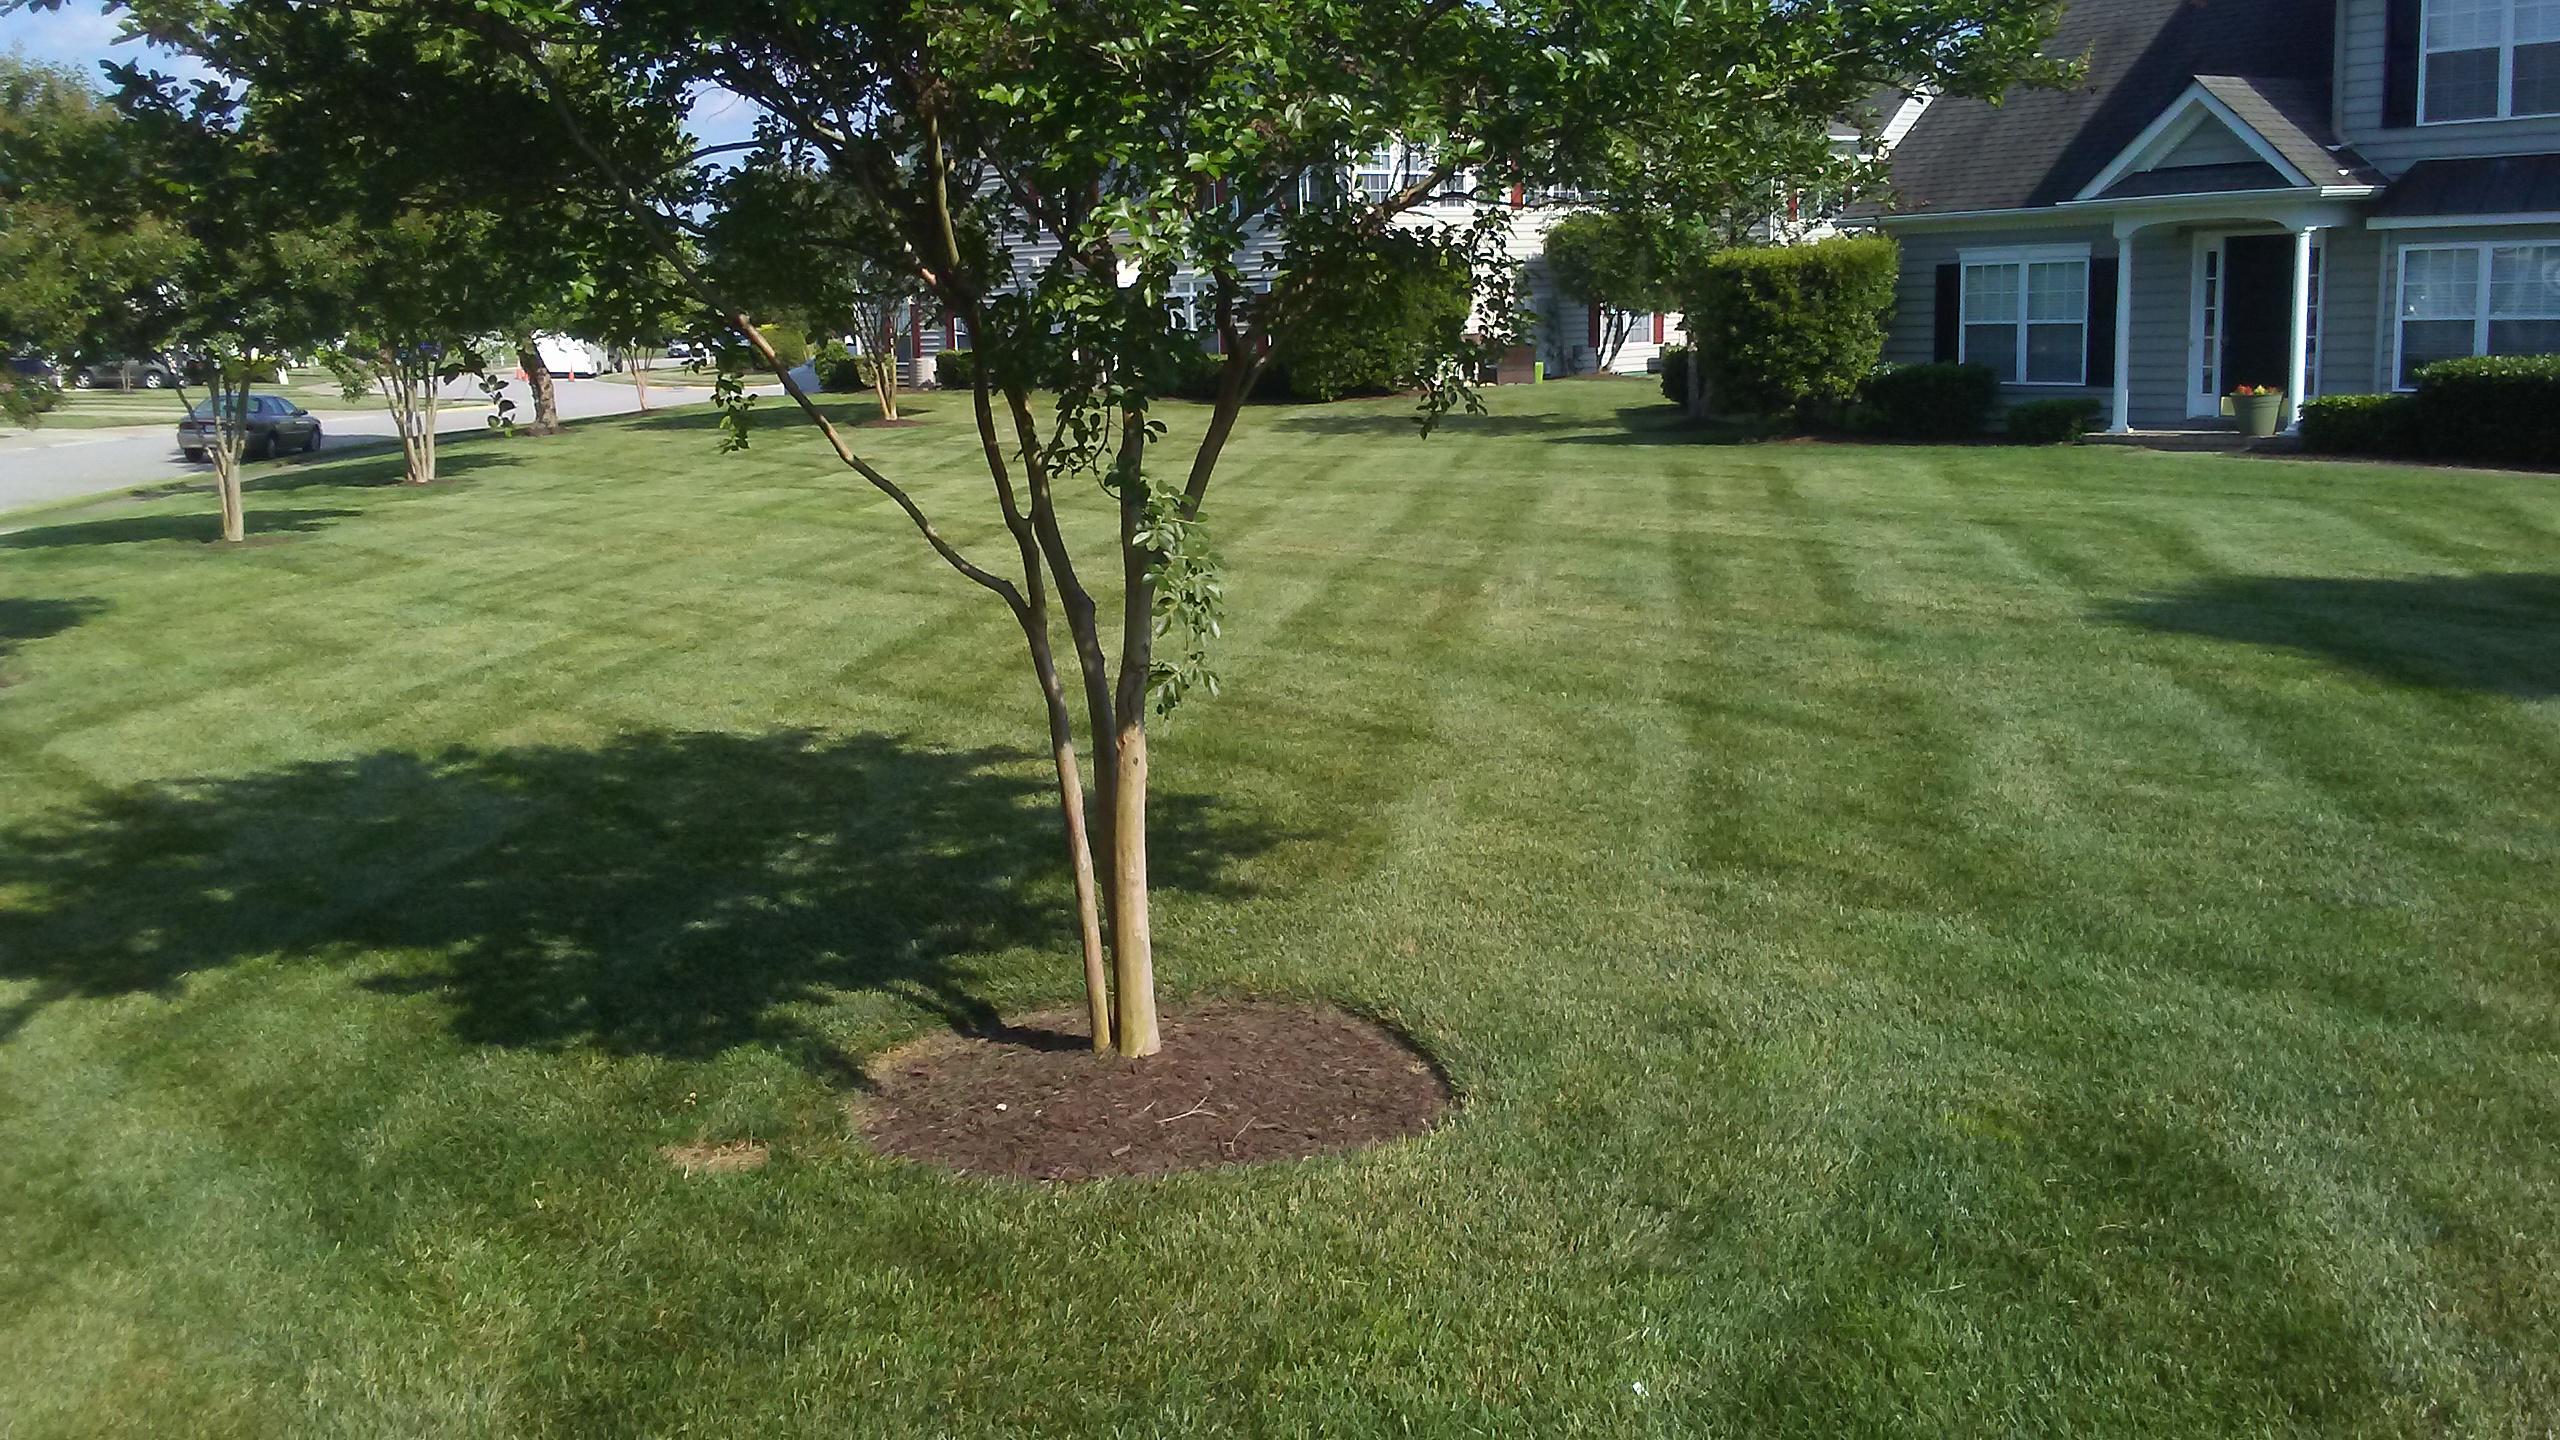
[1237, 1083]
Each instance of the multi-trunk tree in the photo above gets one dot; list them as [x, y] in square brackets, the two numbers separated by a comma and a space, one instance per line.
[1620, 261]
[1050, 169]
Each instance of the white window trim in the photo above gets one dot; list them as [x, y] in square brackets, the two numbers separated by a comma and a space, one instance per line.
[2483, 313]
[2023, 256]
[2506, 69]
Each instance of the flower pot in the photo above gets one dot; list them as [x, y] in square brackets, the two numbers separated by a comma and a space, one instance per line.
[2260, 415]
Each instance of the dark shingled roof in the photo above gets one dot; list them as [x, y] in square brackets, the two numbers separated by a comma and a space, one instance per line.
[2042, 146]
[2494, 185]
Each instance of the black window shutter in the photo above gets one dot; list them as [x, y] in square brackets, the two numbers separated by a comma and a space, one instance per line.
[2400, 64]
[2102, 322]
[1950, 313]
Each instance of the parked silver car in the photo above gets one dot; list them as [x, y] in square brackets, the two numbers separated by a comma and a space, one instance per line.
[276, 426]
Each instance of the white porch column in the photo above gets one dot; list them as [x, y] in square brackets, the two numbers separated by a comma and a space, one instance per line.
[2122, 421]
[2298, 371]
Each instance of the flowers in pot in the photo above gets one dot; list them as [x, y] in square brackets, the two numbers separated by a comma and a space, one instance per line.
[2260, 408]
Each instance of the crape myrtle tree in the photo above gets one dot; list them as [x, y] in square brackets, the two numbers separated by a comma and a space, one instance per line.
[421, 289]
[1125, 143]
[798, 239]
[1622, 261]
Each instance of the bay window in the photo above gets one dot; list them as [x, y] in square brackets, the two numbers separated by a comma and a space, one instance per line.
[2026, 313]
[2482, 298]
[2489, 60]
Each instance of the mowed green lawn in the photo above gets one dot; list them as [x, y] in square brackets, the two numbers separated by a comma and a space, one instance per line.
[1932, 942]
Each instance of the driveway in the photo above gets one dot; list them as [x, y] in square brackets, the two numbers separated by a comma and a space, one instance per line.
[40, 466]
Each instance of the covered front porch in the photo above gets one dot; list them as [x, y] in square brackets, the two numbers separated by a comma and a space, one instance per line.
[2218, 293]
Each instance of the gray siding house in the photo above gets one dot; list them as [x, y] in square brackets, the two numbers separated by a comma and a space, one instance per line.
[2315, 195]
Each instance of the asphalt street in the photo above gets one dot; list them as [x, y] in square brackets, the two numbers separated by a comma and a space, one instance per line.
[41, 466]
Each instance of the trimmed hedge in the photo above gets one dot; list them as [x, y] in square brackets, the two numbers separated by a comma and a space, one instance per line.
[2360, 425]
[2491, 409]
[2502, 408]
[1932, 402]
[956, 369]
[1675, 374]
[2059, 421]
[1379, 333]
[839, 369]
[1793, 329]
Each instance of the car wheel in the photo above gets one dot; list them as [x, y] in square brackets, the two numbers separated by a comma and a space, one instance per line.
[84, 382]
[195, 457]
[311, 441]
[154, 380]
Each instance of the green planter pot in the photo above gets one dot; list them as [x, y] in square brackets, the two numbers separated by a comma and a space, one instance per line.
[2260, 415]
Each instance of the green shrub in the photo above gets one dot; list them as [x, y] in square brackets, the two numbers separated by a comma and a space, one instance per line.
[2059, 421]
[2499, 408]
[1675, 374]
[789, 345]
[2360, 425]
[1793, 329]
[1382, 330]
[839, 369]
[1932, 402]
[956, 370]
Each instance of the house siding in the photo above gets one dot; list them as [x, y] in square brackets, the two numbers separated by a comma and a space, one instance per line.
[2393, 151]
[2351, 307]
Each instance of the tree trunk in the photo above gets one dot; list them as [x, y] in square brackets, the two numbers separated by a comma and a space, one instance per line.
[1132, 939]
[229, 440]
[428, 388]
[1062, 748]
[640, 378]
[1132, 943]
[1697, 375]
[226, 483]
[537, 378]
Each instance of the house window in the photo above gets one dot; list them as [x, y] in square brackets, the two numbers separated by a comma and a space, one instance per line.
[2311, 324]
[2026, 314]
[2489, 59]
[2476, 299]
[1376, 176]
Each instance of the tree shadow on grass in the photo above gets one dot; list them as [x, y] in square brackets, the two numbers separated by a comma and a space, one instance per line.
[22, 620]
[1641, 424]
[2492, 634]
[366, 469]
[142, 529]
[777, 412]
[668, 895]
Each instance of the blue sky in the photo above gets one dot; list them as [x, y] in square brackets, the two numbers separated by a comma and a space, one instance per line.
[82, 34]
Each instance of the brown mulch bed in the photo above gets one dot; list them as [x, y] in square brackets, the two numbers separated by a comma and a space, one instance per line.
[1237, 1083]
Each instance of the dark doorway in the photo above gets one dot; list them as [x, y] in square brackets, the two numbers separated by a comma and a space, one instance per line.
[2257, 328]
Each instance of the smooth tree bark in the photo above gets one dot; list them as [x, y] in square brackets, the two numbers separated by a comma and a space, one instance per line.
[227, 406]
[538, 379]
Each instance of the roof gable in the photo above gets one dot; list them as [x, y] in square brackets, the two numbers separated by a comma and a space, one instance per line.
[2224, 122]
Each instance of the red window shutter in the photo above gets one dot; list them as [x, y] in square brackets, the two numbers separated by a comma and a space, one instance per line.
[1519, 196]
[1657, 327]
[1595, 327]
